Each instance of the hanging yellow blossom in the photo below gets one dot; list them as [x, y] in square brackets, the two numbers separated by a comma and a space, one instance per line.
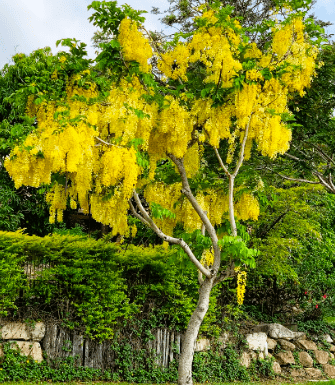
[241, 285]
[247, 207]
[207, 258]
[134, 45]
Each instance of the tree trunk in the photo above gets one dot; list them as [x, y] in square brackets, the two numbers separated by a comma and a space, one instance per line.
[186, 356]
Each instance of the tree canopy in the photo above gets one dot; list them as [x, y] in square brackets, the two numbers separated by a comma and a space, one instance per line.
[160, 131]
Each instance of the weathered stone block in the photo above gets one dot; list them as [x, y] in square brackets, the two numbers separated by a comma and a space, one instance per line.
[298, 372]
[278, 331]
[37, 331]
[253, 355]
[286, 345]
[326, 337]
[307, 345]
[271, 343]
[257, 341]
[245, 359]
[329, 370]
[285, 358]
[15, 331]
[332, 348]
[224, 340]
[321, 357]
[276, 367]
[29, 348]
[306, 360]
[313, 372]
[202, 345]
[23, 331]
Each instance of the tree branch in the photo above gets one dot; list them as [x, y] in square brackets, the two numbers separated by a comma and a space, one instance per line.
[323, 154]
[292, 179]
[106, 143]
[189, 195]
[138, 216]
[241, 157]
[225, 169]
[228, 273]
[145, 218]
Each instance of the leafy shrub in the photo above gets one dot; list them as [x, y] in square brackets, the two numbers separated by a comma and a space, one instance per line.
[213, 366]
[140, 368]
[97, 285]
[16, 367]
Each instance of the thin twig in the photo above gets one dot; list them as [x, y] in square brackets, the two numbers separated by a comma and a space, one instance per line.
[225, 169]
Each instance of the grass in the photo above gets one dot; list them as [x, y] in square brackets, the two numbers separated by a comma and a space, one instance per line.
[330, 320]
[270, 382]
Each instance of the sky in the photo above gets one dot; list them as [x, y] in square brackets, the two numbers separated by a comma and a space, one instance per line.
[27, 25]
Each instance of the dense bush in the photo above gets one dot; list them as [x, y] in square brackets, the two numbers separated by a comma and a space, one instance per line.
[96, 284]
[140, 368]
[296, 244]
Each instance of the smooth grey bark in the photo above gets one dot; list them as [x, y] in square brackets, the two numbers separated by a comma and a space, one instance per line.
[190, 337]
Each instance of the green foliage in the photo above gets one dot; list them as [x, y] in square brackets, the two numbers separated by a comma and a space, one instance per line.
[295, 265]
[262, 368]
[16, 367]
[140, 367]
[160, 212]
[12, 280]
[316, 327]
[97, 285]
[212, 367]
[219, 366]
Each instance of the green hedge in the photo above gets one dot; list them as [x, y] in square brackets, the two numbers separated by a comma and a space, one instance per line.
[97, 285]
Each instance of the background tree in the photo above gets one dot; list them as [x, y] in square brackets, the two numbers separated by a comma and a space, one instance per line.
[141, 140]
[311, 157]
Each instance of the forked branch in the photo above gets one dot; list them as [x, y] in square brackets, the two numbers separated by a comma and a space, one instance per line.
[145, 218]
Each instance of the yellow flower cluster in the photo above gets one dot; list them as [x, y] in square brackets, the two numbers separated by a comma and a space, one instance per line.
[213, 202]
[212, 45]
[117, 117]
[166, 196]
[207, 258]
[241, 284]
[71, 149]
[253, 52]
[289, 43]
[174, 63]
[171, 135]
[89, 143]
[192, 160]
[112, 211]
[134, 45]
[216, 121]
[247, 207]
[282, 41]
[244, 103]
[215, 48]
[271, 135]
[57, 199]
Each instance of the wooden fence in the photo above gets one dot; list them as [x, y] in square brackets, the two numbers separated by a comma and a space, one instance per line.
[59, 343]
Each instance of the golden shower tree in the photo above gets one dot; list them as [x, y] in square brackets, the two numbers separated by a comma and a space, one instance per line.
[167, 141]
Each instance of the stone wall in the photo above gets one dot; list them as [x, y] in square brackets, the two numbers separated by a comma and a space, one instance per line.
[24, 336]
[294, 355]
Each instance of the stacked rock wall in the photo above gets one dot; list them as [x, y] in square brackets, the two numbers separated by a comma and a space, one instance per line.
[293, 354]
[24, 336]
